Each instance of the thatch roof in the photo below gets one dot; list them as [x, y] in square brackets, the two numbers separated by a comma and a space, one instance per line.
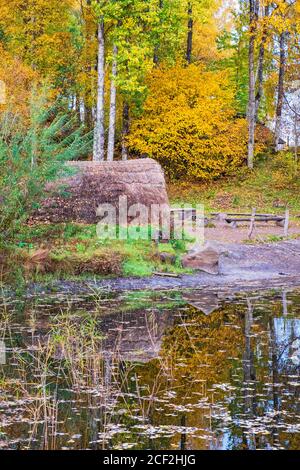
[142, 181]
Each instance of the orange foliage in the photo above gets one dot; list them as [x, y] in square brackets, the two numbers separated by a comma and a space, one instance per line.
[38, 33]
[18, 79]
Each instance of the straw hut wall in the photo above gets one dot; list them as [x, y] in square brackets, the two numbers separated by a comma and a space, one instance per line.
[77, 197]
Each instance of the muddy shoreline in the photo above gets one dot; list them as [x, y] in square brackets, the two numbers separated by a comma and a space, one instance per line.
[243, 267]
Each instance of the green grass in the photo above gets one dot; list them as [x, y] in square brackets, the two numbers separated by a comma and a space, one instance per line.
[138, 268]
[74, 251]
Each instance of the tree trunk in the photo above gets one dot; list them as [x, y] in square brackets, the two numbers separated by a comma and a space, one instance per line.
[189, 49]
[112, 109]
[155, 55]
[125, 131]
[296, 143]
[156, 47]
[99, 132]
[78, 107]
[250, 404]
[251, 102]
[261, 61]
[280, 91]
[88, 115]
[90, 31]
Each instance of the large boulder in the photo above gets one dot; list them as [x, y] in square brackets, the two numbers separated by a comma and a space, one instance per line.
[77, 197]
[206, 259]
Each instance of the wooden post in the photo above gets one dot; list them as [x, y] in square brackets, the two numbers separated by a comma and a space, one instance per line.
[286, 223]
[252, 223]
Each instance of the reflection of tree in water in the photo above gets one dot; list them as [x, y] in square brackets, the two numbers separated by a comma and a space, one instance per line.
[238, 345]
[249, 379]
[267, 367]
[221, 380]
[282, 334]
[196, 353]
[202, 345]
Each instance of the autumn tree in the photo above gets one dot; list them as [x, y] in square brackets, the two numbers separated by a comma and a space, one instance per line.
[283, 24]
[253, 16]
[104, 56]
[39, 34]
[188, 123]
[17, 79]
[264, 27]
[86, 65]
[127, 38]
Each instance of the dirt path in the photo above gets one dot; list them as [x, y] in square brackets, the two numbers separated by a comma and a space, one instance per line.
[262, 232]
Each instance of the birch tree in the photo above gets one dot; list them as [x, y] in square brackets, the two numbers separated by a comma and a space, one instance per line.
[113, 107]
[99, 130]
[125, 130]
[261, 59]
[253, 11]
[280, 89]
[189, 48]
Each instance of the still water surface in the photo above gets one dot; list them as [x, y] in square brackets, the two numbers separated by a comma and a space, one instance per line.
[160, 370]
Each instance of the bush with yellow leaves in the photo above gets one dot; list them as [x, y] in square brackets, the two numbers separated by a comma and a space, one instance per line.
[189, 124]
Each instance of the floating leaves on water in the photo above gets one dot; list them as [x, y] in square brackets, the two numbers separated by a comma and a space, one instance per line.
[155, 371]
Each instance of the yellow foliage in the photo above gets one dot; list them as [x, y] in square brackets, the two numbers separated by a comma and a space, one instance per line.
[17, 79]
[189, 124]
[37, 32]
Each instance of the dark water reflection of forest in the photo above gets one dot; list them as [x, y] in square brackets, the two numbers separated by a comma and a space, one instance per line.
[163, 370]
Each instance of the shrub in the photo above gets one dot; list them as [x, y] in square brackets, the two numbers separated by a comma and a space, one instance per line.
[189, 124]
[29, 158]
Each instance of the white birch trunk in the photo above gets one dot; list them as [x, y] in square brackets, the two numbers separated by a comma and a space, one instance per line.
[251, 102]
[125, 131]
[280, 91]
[99, 132]
[113, 108]
[261, 62]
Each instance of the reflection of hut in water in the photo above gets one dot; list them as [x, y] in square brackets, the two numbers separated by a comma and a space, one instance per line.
[134, 336]
[206, 303]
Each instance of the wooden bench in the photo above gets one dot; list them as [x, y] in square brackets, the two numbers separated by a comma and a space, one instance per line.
[233, 218]
[188, 213]
[243, 218]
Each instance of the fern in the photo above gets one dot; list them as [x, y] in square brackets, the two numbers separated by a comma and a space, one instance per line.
[30, 157]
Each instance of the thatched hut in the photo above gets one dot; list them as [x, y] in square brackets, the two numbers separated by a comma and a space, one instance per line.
[77, 197]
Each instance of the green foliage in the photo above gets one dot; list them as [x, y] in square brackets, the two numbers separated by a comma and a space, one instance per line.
[30, 158]
[41, 35]
[236, 63]
[138, 268]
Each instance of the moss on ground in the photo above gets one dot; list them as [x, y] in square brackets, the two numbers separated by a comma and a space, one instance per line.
[68, 251]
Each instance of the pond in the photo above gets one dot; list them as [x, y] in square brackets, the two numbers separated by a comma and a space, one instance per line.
[191, 369]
